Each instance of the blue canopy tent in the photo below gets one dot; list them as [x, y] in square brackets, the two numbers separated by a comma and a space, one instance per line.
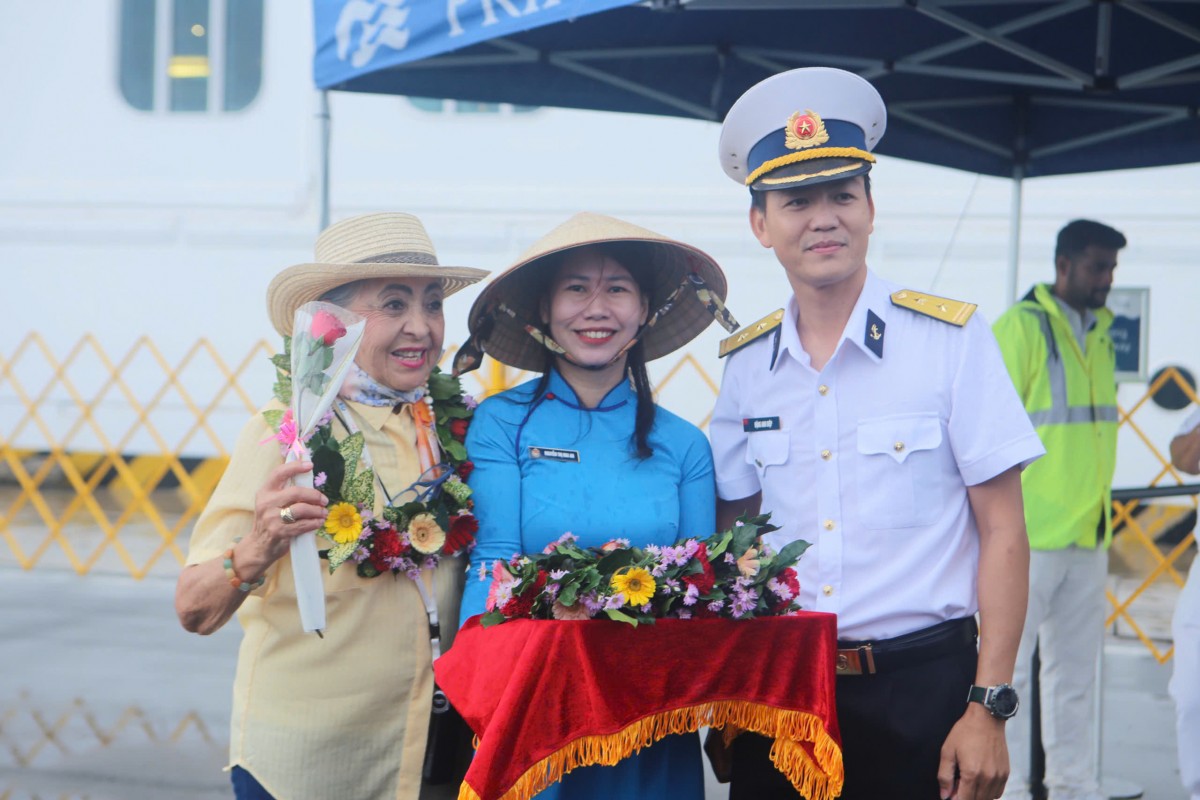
[1016, 88]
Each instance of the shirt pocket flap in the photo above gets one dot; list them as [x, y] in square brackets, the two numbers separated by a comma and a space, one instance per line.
[899, 435]
[767, 448]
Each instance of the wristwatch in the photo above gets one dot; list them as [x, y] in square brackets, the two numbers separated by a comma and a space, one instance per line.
[1000, 700]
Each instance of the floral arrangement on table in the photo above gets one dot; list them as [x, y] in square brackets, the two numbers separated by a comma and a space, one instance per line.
[732, 574]
[403, 538]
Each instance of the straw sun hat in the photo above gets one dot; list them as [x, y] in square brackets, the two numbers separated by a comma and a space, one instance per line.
[499, 318]
[389, 245]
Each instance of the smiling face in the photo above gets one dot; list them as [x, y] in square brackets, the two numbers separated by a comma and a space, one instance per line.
[819, 233]
[402, 341]
[594, 307]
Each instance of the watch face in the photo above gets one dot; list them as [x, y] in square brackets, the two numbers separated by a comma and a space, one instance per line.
[1004, 701]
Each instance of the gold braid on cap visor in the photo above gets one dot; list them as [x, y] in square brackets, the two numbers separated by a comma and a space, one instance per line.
[809, 155]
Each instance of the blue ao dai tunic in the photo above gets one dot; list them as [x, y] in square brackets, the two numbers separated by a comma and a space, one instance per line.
[548, 466]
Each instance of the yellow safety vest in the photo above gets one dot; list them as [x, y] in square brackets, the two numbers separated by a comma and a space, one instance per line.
[1071, 398]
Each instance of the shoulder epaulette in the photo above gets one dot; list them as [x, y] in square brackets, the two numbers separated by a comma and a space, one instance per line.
[955, 312]
[749, 333]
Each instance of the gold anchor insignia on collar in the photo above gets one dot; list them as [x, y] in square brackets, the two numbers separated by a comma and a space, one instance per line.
[954, 312]
[749, 333]
[804, 130]
[875, 334]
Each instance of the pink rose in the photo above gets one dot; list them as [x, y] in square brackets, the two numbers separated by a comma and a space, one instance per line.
[327, 327]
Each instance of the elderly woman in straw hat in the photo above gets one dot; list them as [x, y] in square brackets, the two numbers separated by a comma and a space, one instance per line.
[345, 715]
[583, 448]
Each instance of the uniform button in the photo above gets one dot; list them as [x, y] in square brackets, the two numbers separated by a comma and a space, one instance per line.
[823, 389]
[828, 524]
[826, 455]
[827, 589]
[898, 446]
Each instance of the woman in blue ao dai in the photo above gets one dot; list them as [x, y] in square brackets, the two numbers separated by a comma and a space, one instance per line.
[583, 448]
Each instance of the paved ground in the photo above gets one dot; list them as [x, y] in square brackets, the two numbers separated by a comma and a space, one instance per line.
[104, 697]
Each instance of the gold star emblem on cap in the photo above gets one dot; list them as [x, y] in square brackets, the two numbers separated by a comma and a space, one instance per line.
[804, 129]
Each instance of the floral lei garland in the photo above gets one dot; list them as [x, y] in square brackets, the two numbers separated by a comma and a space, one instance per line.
[732, 574]
[405, 538]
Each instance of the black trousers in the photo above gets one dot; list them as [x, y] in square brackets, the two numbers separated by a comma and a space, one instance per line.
[893, 725]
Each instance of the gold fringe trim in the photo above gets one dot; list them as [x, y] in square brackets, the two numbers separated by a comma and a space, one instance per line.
[808, 155]
[816, 781]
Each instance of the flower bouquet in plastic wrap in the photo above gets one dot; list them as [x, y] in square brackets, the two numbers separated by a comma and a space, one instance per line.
[731, 574]
[324, 341]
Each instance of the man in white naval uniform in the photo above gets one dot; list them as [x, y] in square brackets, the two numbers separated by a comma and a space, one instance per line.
[879, 424]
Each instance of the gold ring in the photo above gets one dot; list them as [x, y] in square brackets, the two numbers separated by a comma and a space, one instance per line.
[285, 514]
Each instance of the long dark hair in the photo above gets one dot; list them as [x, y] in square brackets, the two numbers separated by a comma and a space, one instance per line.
[631, 256]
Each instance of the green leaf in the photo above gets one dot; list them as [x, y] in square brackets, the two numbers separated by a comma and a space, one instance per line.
[351, 448]
[790, 553]
[620, 616]
[743, 539]
[491, 618]
[455, 449]
[282, 390]
[360, 489]
[328, 460]
[443, 386]
[720, 547]
[273, 416]
[611, 562]
[339, 553]
[455, 412]
[367, 570]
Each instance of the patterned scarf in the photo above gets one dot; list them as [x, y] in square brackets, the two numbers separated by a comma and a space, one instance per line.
[359, 387]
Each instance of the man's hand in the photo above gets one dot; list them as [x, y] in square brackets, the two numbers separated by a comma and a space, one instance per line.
[974, 763]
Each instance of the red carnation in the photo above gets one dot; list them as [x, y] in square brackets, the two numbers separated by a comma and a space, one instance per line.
[458, 429]
[522, 605]
[385, 548]
[705, 580]
[465, 469]
[462, 533]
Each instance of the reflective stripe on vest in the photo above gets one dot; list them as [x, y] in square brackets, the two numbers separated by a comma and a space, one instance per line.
[1060, 412]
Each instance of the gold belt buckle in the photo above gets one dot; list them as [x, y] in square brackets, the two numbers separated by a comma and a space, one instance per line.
[856, 661]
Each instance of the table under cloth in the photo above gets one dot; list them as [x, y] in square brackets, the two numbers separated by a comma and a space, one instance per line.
[546, 696]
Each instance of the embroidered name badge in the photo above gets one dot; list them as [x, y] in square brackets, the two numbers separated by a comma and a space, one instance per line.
[553, 454]
[760, 424]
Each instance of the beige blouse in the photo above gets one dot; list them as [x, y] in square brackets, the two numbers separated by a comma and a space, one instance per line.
[347, 715]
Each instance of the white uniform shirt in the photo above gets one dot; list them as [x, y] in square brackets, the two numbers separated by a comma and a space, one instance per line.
[869, 459]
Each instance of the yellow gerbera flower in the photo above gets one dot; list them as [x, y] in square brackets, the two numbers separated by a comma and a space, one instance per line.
[343, 523]
[636, 584]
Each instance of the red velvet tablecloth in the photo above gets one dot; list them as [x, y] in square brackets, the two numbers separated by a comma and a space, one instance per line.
[545, 697]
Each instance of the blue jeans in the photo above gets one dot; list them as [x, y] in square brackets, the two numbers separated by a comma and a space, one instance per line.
[245, 787]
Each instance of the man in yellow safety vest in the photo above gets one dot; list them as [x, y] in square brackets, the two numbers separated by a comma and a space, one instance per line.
[1057, 348]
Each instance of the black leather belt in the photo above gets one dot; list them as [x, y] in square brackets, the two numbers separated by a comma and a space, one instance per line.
[885, 655]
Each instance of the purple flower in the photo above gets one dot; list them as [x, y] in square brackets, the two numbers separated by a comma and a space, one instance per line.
[684, 614]
[319, 480]
[716, 605]
[780, 589]
[615, 601]
[558, 574]
[469, 401]
[729, 559]
[691, 595]
[592, 603]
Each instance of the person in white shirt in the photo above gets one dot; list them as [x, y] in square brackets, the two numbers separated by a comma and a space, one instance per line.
[879, 424]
